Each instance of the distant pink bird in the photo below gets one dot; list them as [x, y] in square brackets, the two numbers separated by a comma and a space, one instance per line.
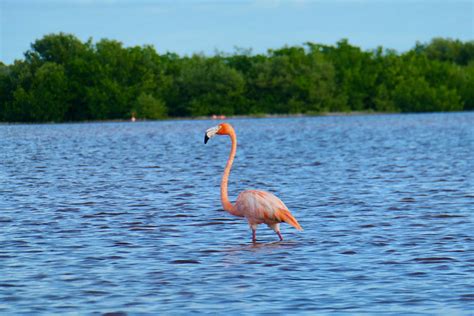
[258, 207]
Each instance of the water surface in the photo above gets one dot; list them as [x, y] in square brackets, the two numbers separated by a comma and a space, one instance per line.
[125, 217]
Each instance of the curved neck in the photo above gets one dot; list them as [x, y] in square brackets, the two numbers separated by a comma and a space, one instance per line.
[224, 196]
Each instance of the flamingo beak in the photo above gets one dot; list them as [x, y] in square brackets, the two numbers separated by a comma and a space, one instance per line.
[211, 132]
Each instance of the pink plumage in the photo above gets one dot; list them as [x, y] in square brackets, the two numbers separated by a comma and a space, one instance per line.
[258, 207]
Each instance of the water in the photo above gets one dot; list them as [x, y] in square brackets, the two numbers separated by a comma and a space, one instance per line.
[126, 217]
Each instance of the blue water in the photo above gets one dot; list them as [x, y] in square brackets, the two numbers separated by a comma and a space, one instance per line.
[125, 217]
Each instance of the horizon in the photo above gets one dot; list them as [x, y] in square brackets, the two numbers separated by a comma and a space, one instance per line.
[209, 27]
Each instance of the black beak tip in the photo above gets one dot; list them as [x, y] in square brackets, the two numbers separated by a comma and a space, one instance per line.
[205, 138]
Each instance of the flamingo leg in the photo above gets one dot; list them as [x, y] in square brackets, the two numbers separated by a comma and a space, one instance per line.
[254, 235]
[279, 235]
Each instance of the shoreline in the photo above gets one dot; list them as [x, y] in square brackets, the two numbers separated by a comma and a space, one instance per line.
[352, 113]
[231, 117]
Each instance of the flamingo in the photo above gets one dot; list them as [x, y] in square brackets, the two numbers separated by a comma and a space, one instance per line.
[258, 207]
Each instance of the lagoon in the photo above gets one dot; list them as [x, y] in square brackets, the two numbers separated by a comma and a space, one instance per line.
[125, 217]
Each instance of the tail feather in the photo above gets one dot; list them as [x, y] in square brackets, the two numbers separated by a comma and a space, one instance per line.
[285, 216]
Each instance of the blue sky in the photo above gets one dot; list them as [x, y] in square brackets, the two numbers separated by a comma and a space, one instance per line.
[186, 27]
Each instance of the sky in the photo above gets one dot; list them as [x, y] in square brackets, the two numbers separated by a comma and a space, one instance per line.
[207, 26]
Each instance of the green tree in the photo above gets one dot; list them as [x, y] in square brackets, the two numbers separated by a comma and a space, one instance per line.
[17, 98]
[207, 86]
[76, 58]
[293, 81]
[466, 89]
[415, 95]
[49, 92]
[356, 73]
[5, 89]
[40, 96]
[448, 50]
[62, 78]
[149, 107]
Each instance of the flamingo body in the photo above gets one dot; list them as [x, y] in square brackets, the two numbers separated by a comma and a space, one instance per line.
[258, 207]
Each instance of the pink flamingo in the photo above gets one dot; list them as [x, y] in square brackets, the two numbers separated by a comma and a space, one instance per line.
[258, 207]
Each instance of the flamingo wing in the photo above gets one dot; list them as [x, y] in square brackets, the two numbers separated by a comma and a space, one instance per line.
[264, 207]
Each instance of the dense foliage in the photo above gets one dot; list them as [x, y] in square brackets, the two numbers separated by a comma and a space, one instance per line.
[64, 79]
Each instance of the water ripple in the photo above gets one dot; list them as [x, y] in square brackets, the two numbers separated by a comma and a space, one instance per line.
[125, 219]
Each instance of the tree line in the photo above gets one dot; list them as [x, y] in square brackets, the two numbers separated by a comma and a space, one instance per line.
[62, 78]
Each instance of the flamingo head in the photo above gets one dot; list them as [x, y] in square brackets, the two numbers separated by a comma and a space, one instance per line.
[221, 129]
